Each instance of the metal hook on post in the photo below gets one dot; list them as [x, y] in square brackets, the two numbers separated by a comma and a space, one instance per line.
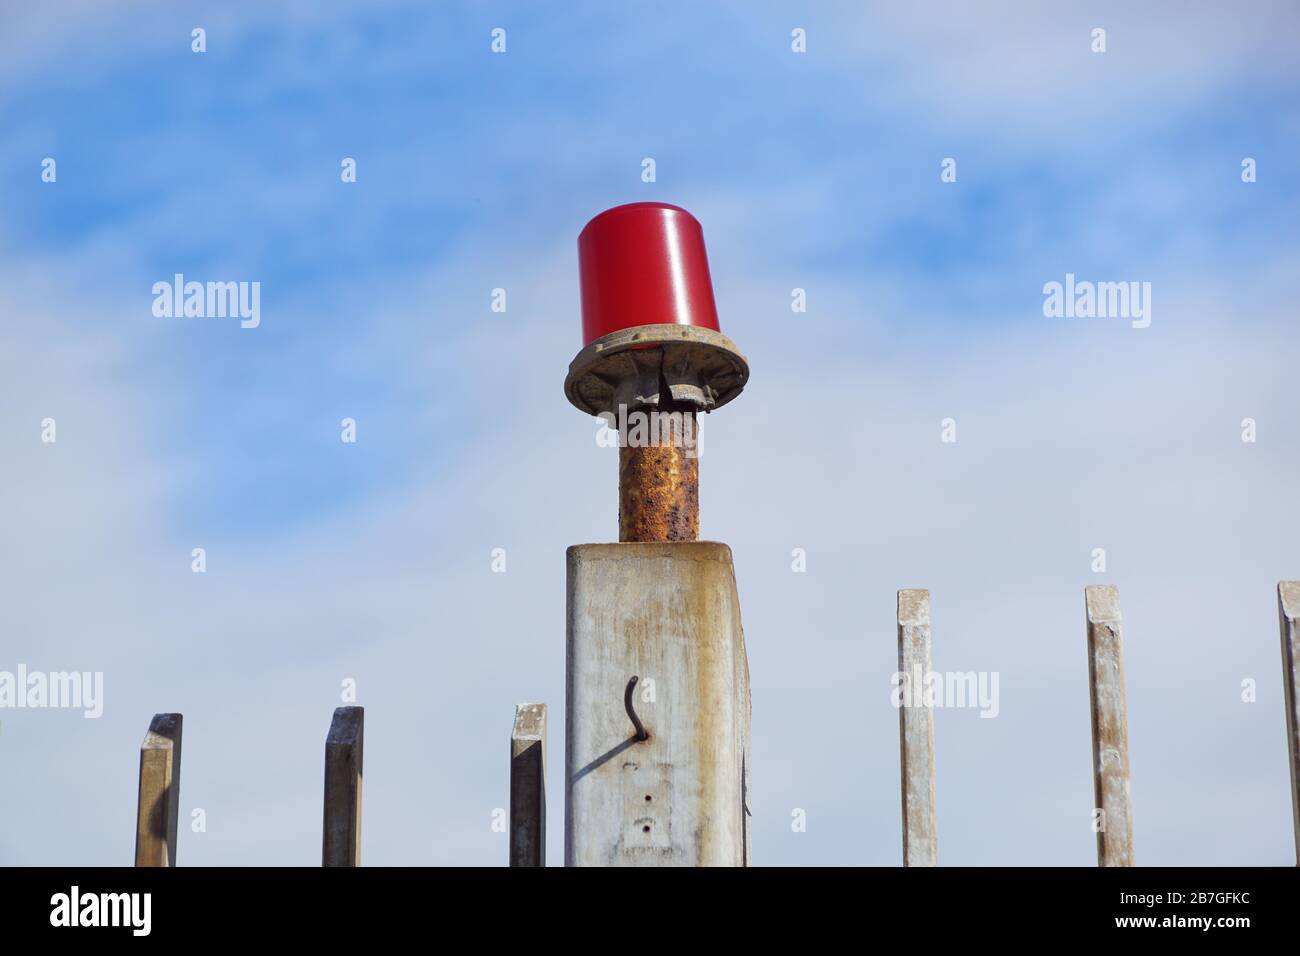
[631, 711]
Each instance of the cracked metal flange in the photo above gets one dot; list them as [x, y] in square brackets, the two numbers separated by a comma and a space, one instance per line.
[633, 366]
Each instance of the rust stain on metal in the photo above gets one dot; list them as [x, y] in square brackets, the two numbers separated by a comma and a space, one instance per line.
[659, 483]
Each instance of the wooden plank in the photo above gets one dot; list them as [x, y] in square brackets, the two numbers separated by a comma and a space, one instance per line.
[528, 786]
[1288, 612]
[341, 841]
[159, 793]
[1111, 788]
[669, 615]
[916, 729]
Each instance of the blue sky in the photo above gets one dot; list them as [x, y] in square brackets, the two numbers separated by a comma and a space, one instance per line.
[476, 171]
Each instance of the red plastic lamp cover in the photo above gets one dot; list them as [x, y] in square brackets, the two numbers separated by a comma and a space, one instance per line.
[644, 264]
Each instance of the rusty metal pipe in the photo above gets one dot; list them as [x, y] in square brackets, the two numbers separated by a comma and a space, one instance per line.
[659, 479]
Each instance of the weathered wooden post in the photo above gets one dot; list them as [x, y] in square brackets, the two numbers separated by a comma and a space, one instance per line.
[160, 792]
[657, 709]
[667, 615]
[341, 842]
[528, 786]
[1288, 612]
[1113, 812]
[916, 729]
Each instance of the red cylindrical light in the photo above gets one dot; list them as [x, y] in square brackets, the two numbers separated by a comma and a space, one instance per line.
[644, 264]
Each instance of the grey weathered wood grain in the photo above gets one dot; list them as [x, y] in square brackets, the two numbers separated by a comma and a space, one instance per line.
[667, 613]
[916, 730]
[1110, 766]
